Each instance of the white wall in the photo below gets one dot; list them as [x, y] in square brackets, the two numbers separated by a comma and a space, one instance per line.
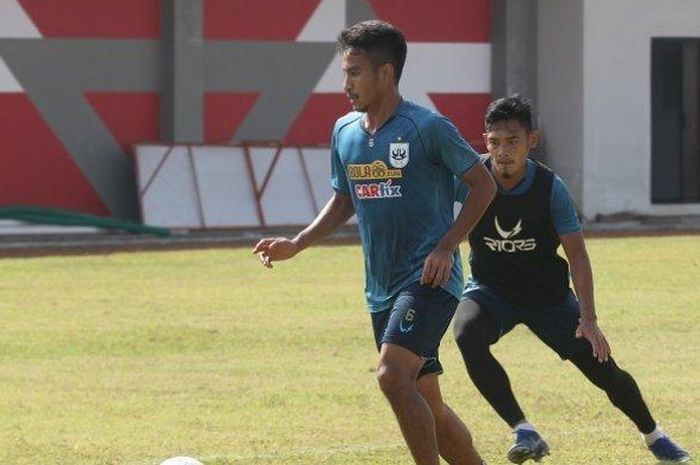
[617, 100]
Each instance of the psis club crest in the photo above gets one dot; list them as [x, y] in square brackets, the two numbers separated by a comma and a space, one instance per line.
[398, 154]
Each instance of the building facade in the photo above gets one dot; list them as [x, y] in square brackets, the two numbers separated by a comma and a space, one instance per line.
[615, 83]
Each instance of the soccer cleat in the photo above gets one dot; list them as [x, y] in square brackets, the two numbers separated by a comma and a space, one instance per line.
[528, 445]
[665, 450]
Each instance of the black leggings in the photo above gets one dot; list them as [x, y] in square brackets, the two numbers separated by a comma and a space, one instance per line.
[475, 332]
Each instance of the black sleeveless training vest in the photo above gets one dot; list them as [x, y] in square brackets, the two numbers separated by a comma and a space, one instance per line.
[514, 245]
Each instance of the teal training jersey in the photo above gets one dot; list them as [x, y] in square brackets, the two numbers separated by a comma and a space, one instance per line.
[400, 180]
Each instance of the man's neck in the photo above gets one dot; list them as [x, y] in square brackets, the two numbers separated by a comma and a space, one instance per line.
[507, 183]
[380, 113]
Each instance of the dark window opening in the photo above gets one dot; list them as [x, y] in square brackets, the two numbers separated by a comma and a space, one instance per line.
[675, 132]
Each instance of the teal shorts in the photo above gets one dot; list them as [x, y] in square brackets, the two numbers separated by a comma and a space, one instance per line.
[417, 320]
[554, 324]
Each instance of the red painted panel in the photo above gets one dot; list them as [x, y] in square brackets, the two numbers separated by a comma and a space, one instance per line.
[95, 18]
[316, 120]
[131, 117]
[467, 113]
[256, 19]
[441, 21]
[35, 169]
[224, 112]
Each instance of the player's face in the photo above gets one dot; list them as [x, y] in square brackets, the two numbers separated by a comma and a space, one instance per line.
[361, 81]
[509, 144]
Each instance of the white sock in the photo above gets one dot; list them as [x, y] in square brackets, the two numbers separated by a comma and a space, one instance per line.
[526, 425]
[651, 438]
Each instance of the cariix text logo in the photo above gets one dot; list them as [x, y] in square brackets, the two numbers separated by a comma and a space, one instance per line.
[380, 190]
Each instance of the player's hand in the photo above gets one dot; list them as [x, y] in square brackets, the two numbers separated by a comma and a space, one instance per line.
[437, 268]
[275, 249]
[590, 330]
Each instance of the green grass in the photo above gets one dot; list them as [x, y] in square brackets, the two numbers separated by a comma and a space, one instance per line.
[131, 358]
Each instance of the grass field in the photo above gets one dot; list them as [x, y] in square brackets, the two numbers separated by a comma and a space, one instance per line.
[130, 358]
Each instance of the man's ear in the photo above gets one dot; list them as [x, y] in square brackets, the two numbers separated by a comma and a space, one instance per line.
[386, 71]
[533, 138]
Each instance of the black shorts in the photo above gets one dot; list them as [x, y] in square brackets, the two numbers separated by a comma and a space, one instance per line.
[553, 324]
[417, 320]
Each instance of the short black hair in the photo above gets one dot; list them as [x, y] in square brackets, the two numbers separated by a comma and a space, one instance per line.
[514, 107]
[381, 41]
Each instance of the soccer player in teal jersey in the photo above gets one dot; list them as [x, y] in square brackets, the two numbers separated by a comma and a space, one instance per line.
[393, 165]
[518, 277]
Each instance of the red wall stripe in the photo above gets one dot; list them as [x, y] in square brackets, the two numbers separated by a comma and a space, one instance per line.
[36, 169]
[467, 113]
[316, 120]
[223, 114]
[438, 21]
[131, 117]
[95, 18]
[256, 19]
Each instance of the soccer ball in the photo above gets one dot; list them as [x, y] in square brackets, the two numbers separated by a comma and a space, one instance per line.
[182, 461]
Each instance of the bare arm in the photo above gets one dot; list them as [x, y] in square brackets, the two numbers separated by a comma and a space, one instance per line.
[337, 211]
[582, 276]
[482, 189]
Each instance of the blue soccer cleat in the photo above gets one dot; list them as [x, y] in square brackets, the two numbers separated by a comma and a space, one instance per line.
[528, 445]
[665, 450]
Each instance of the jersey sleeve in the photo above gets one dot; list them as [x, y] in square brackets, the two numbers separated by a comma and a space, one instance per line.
[563, 209]
[462, 189]
[447, 146]
[339, 181]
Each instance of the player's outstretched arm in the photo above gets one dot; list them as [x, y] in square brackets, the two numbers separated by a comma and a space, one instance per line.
[482, 189]
[337, 211]
[582, 276]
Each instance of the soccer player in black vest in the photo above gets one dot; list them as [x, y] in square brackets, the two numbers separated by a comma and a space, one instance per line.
[518, 277]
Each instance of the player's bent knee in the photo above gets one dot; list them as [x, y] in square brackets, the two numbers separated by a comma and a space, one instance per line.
[465, 336]
[393, 381]
[470, 327]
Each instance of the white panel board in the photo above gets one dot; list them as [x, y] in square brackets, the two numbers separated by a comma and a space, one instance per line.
[170, 200]
[148, 157]
[214, 189]
[226, 194]
[318, 165]
[287, 200]
[261, 159]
